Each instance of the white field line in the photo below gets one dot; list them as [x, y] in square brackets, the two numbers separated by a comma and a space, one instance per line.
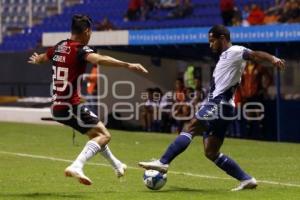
[136, 168]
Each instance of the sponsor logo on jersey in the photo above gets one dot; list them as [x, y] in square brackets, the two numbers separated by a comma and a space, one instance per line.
[63, 49]
[88, 49]
[59, 58]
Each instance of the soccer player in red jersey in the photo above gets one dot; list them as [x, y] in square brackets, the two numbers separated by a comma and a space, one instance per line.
[69, 59]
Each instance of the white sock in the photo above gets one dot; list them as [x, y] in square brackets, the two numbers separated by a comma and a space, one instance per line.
[107, 154]
[91, 149]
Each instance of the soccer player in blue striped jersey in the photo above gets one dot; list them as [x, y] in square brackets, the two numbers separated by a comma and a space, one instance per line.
[213, 118]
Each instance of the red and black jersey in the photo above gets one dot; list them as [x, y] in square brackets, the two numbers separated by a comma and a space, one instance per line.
[69, 62]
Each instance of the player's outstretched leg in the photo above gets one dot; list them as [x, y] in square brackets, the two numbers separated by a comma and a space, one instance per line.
[117, 165]
[99, 138]
[181, 142]
[233, 169]
[178, 146]
[76, 168]
[212, 145]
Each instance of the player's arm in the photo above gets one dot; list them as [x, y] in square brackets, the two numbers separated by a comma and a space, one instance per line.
[95, 58]
[38, 58]
[261, 56]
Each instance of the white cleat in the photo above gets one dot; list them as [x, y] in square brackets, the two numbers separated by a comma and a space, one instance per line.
[155, 165]
[77, 172]
[120, 171]
[246, 184]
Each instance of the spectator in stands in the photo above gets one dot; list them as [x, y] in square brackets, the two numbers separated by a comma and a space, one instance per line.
[165, 106]
[245, 12]
[92, 89]
[237, 17]
[180, 90]
[245, 15]
[271, 18]
[147, 110]
[150, 110]
[152, 3]
[227, 11]
[277, 8]
[189, 94]
[256, 15]
[291, 12]
[183, 111]
[167, 102]
[192, 102]
[200, 92]
[105, 25]
[184, 8]
[149, 7]
[272, 14]
[188, 76]
[285, 14]
[135, 10]
[167, 4]
[253, 88]
[296, 8]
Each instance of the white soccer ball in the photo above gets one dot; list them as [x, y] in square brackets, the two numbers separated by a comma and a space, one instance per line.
[154, 180]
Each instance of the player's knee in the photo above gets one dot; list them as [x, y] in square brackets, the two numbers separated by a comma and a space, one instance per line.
[106, 134]
[102, 130]
[101, 136]
[107, 137]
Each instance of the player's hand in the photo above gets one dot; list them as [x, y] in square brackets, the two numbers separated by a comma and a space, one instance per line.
[280, 63]
[33, 59]
[137, 67]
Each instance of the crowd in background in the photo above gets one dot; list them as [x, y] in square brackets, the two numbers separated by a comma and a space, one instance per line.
[283, 11]
[255, 82]
[145, 9]
[141, 10]
[169, 111]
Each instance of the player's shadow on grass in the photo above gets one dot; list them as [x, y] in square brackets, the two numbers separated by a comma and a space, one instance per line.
[41, 195]
[182, 189]
[188, 190]
[178, 189]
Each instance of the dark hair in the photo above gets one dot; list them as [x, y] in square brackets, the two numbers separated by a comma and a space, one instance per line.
[158, 90]
[150, 90]
[180, 79]
[80, 23]
[219, 30]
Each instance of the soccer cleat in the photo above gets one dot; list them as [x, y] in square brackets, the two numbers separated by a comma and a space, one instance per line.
[246, 184]
[155, 165]
[77, 172]
[120, 171]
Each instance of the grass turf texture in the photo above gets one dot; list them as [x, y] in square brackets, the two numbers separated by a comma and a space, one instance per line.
[24, 177]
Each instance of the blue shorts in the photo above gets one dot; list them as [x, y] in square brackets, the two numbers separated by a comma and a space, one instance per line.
[216, 117]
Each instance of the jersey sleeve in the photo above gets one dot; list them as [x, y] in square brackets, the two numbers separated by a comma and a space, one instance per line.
[50, 53]
[84, 52]
[246, 53]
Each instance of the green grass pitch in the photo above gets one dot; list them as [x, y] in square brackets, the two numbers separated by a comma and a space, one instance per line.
[33, 158]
